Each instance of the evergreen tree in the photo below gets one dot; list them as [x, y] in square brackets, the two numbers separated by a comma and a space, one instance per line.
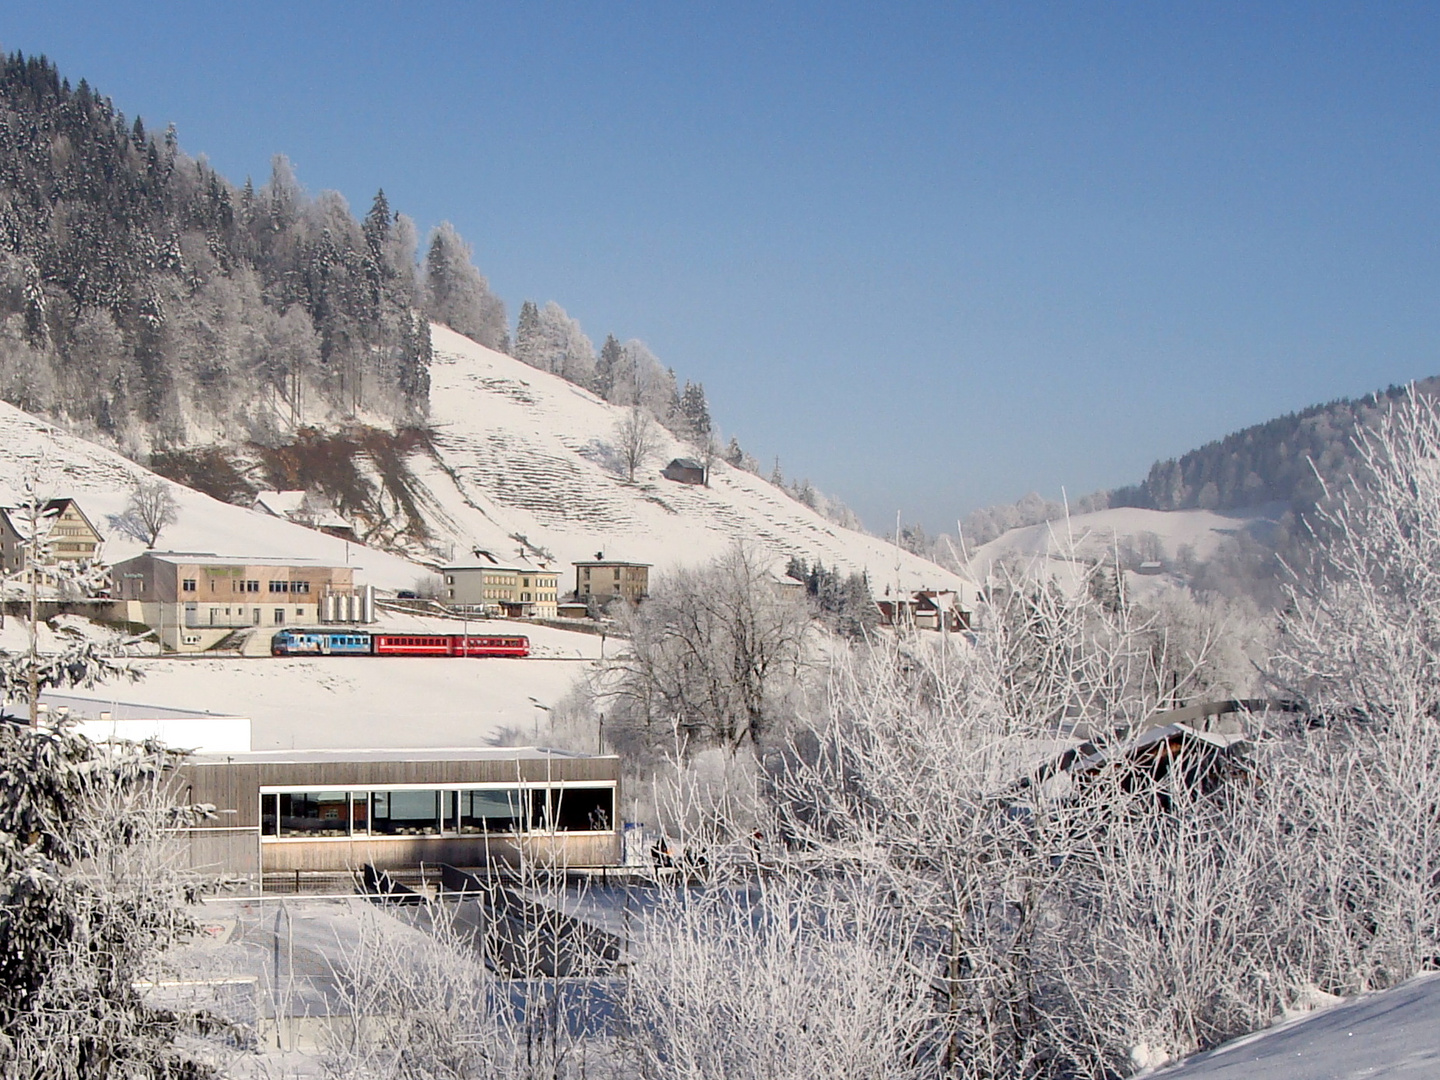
[695, 410]
[527, 334]
[734, 455]
[459, 296]
[606, 368]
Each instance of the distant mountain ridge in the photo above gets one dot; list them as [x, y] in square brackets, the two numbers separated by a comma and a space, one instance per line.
[1279, 461]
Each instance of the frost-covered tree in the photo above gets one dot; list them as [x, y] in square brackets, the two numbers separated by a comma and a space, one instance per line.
[636, 439]
[715, 654]
[458, 294]
[150, 510]
[89, 898]
[549, 339]
[607, 367]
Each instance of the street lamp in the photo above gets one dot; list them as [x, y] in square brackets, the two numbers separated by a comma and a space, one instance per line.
[540, 708]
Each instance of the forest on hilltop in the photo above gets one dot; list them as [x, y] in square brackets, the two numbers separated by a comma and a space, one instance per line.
[1292, 460]
[147, 300]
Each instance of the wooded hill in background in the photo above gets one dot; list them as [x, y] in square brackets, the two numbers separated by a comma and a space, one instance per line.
[145, 299]
[1283, 460]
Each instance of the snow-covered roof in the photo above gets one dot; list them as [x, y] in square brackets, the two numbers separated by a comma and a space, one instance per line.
[460, 568]
[279, 503]
[209, 558]
[89, 708]
[300, 507]
[452, 753]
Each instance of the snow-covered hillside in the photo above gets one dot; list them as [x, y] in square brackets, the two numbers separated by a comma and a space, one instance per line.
[521, 451]
[102, 480]
[1139, 535]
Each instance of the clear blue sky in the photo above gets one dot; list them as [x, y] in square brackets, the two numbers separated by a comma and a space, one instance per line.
[933, 256]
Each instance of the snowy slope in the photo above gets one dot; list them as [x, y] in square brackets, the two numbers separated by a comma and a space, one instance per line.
[523, 451]
[102, 480]
[1049, 548]
[1394, 1033]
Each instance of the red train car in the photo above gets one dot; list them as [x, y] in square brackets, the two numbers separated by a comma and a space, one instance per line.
[450, 645]
[489, 645]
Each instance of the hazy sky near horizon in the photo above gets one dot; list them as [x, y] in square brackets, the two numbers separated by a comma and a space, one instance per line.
[932, 256]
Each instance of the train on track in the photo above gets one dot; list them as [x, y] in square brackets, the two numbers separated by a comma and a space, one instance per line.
[365, 643]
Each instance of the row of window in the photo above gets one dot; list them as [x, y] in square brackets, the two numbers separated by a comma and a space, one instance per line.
[436, 812]
[249, 586]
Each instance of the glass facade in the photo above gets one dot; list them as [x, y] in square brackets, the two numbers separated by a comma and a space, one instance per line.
[449, 811]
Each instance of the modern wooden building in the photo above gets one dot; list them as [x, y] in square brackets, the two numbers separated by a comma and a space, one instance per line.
[286, 814]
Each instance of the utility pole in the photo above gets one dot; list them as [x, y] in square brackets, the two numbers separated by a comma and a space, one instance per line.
[34, 674]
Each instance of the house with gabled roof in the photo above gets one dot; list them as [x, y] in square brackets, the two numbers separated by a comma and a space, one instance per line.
[72, 536]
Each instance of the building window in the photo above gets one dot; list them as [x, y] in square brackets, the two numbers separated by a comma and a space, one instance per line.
[314, 813]
[302, 815]
[279, 615]
[299, 586]
[188, 585]
[579, 809]
[251, 586]
[493, 811]
[405, 813]
[279, 586]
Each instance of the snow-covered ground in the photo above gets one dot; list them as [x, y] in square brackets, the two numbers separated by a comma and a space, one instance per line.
[356, 702]
[1393, 1034]
[523, 451]
[1052, 548]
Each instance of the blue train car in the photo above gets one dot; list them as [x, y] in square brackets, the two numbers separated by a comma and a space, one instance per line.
[321, 643]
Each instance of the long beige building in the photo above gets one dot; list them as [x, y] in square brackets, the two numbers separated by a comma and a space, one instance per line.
[194, 599]
[522, 590]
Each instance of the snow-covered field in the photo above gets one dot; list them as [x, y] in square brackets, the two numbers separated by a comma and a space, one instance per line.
[356, 702]
[1393, 1034]
[1051, 548]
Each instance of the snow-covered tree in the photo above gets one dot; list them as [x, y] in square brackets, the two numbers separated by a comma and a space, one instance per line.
[458, 294]
[549, 339]
[636, 439]
[150, 510]
[89, 898]
[715, 654]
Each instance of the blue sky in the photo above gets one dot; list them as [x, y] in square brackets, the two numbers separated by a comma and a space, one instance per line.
[931, 256]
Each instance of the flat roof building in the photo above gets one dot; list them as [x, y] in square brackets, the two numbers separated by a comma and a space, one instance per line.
[286, 814]
[194, 599]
